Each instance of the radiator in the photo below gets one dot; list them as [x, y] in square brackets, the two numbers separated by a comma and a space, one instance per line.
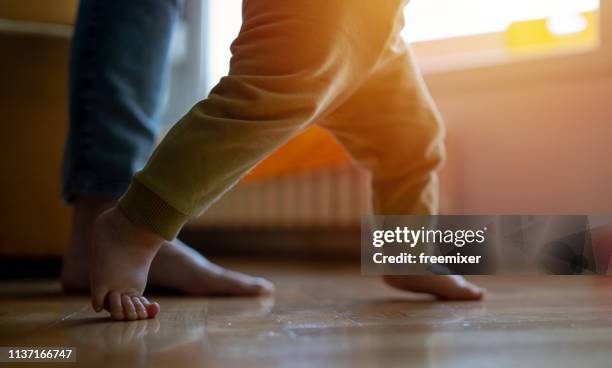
[334, 197]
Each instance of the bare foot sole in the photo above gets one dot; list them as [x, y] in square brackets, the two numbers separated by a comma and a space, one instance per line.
[442, 287]
[176, 267]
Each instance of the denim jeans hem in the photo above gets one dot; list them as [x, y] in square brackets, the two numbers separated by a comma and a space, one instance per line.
[89, 186]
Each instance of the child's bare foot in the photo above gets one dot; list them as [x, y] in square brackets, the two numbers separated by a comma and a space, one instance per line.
[442, 287]
[122, 253]
[175, 267]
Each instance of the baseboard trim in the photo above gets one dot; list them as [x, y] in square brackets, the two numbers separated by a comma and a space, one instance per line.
[24, 267]
[330, 243]
[321, 244]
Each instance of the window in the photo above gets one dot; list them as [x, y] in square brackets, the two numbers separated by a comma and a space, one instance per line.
[453, 34]
[223, 21]
[449, 34]
[439, 19]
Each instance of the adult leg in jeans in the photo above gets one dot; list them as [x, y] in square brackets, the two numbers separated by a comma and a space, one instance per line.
[119, 63]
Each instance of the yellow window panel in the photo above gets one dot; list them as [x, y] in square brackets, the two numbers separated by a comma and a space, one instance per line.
[577, 32]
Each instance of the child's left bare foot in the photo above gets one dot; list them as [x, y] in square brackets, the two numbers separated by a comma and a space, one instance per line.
[443, 287]
[122, 253]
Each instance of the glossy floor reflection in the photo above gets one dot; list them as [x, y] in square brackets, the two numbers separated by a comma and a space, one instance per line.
[328, 316]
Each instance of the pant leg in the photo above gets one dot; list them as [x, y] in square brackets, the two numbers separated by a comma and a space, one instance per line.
[119, 62]
[392, 128]
[293, 62]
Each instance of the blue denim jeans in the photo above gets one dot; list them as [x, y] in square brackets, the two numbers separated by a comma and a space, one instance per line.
[119, 65]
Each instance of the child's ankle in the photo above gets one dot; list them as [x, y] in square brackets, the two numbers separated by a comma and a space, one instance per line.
[133, 232]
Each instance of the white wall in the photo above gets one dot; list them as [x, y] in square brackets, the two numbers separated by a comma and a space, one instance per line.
[533, 137]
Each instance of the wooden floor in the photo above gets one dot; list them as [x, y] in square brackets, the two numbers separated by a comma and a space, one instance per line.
[329, 317]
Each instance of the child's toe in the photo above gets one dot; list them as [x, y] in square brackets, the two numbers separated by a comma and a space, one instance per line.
[97, 299]
[129, 311]
[114, 305]
[466, 292]
[472, 291]
[140, 308]
[152, 308]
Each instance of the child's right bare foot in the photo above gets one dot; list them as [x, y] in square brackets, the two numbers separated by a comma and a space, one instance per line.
[176, 266]
[442, 287]
[122, 253]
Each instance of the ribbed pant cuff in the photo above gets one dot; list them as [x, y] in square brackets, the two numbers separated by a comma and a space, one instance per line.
[143, 206]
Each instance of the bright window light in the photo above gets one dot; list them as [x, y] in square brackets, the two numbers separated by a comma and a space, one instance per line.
[562, 25]
[224, 21]
[428, 20]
